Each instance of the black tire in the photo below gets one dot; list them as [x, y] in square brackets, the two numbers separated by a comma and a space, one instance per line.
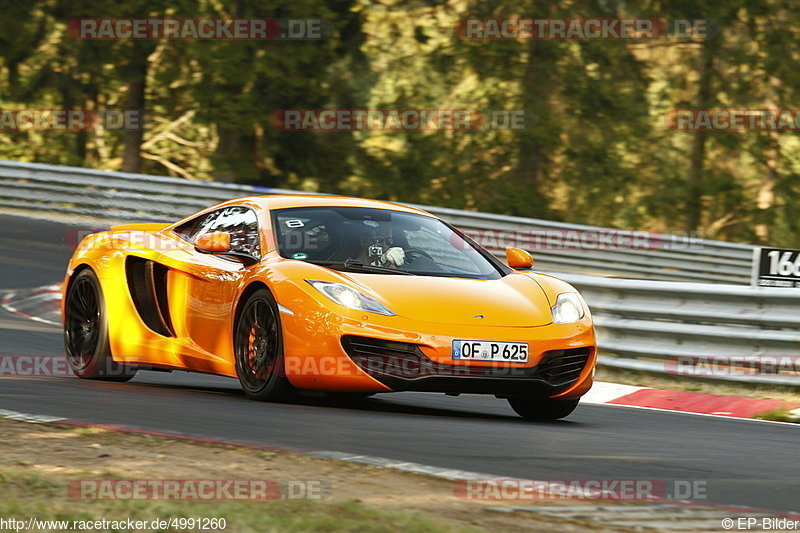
[542, 409]
[86, 340]
[258, 349]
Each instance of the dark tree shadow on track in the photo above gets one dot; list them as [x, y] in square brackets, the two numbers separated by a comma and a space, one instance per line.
[179, 382]
[384, 403]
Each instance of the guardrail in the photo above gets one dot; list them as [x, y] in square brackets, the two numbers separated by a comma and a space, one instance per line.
[115, 195]
[702, 330]
[557, 246]
[646, 325]
[578, 248]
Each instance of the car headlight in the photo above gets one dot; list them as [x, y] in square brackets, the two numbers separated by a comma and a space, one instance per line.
[349, 297]
[568, 308]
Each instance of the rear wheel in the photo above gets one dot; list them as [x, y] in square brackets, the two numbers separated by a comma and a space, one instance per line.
[258, 347]
[542, 409]
[86, 339]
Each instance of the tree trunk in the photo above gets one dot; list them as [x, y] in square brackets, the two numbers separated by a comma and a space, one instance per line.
[765, 198]
[537, 90]
[235, 154]
[132, 139]
[694, 181]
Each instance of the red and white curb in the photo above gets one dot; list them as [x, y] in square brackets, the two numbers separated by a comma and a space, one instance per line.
[41, 304]
[682, 401]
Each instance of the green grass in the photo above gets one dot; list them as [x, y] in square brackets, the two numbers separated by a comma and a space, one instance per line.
[779, 415]
[27, 494]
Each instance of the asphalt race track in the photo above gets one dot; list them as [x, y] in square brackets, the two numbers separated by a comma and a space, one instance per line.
[743, 462]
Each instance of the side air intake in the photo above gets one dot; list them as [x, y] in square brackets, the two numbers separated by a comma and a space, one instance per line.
[147, 283]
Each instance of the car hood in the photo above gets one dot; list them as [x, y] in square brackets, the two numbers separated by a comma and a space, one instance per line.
[513, 300]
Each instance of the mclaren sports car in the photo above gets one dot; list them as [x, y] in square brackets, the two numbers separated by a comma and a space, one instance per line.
[353, 297]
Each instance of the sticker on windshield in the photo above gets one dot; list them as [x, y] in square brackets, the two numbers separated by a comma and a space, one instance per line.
[371, 223]
[294, 223]
[300, 256]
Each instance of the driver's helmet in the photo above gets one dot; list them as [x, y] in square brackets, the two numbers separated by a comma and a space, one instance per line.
[375, 238]
[378, 246]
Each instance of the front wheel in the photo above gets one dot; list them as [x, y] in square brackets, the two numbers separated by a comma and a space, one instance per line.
[86, 339]
[258, 347]
[542, 409]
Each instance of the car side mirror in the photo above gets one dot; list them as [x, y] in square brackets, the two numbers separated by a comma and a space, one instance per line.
[214, 242]
[518, 259]
[219, 243]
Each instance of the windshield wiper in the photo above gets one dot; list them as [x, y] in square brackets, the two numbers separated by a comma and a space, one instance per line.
[352, 263]
[448, 275]
[359, 266]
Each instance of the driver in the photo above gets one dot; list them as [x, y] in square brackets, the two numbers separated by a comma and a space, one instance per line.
[377, 247]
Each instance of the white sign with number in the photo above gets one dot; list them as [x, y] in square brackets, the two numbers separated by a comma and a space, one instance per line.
[776, 267]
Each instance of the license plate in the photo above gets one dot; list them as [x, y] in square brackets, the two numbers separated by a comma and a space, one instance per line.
[507, 352]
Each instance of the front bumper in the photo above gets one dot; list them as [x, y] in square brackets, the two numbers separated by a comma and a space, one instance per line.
[404, 367]
[318, 355]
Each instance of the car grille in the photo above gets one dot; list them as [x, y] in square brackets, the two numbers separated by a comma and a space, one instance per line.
[562, 367]
[381, 358]
[369, 347]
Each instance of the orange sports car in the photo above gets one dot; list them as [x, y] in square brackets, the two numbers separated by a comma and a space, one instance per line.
[344, 295]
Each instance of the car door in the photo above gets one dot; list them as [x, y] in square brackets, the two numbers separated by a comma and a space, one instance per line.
[203, 287]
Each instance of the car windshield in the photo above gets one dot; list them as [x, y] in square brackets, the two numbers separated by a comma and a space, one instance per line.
[379, 241]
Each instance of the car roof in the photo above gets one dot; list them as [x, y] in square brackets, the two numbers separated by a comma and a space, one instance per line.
[300, 200]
